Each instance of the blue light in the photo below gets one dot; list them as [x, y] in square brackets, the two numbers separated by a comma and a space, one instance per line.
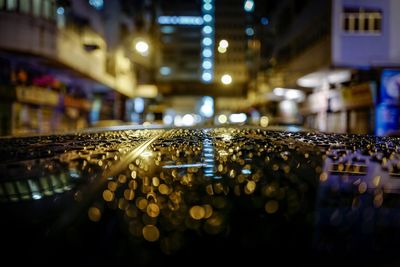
[181, 20]
[249, 5]
[60, 11]
[207, 6]
[207, 52]
[165, 71]
[98, 4]
[249, 31]
[167, 29]
[246, 171]
[207, 41]
[206, 76]
[207, 29]
[207, 18]
[138, 105]
[207, 64]
[264, 21]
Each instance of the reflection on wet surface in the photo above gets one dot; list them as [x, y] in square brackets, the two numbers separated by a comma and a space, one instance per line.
[227, 193]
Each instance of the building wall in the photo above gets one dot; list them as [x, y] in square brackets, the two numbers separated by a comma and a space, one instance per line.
[26, 34]
[179, 45]
[359, 49]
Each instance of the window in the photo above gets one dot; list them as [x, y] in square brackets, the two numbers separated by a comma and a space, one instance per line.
[47, 9]
[362, 21]
[37, 8]
[24, 6]
[11, 4]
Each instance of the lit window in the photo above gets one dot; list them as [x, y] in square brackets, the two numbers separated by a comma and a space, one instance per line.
[362, 21]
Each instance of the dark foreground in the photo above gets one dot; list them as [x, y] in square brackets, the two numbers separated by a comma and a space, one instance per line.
[200, 196]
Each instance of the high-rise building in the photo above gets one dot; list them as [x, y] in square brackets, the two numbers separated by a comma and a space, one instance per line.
[192, 59]
[180, 32]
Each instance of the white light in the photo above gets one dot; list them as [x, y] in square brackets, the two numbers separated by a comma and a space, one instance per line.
[188, 120]
[138, 105]
[223, 43]
[142, 47]
[207, 29]
[36, 195]
[207, 18]
[207, 52]
[288, 107]
[181, 20]
[221, 49]
[207, 109]
[168, 119]
[249, 31]
[178, 120]
[279, 91]
[237, 117]
[206, 76]
[207, 41]
[207, 6]
[165, 71]
[60, 11]
[146, 154]
[249, 5]
[293, 94]
[226, 79]
[318, 78]
[222, 119]
[226, 136]
[207, 64]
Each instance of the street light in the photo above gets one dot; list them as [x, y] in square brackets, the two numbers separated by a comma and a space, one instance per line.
[226, 79]
[223, 43]
[142, 47]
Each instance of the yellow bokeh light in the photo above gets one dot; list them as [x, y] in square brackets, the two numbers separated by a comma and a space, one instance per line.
[197, 212]
[271, 206]
[94, 214]
[151, 233]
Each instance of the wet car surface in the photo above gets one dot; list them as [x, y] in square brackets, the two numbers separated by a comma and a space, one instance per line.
[205, 196]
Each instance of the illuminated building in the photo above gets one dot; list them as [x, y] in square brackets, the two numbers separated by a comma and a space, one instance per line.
[56, 57]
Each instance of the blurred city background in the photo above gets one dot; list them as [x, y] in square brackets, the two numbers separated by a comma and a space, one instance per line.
[330, 66]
